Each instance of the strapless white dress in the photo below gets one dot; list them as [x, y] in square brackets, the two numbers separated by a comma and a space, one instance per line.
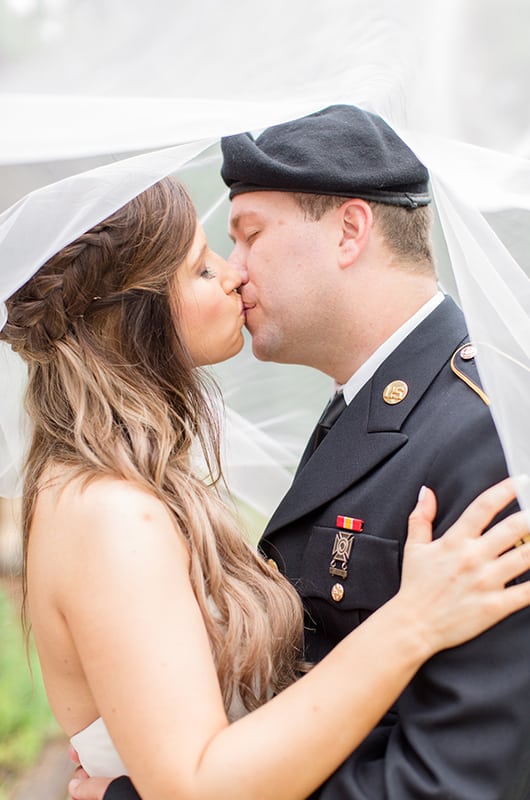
[96, 751]
[98, 755]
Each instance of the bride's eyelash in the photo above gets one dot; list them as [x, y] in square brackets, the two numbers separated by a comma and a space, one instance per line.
[207, 273]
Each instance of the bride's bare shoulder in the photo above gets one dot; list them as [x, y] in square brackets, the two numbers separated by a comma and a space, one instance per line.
[73, 504]
[88, 537]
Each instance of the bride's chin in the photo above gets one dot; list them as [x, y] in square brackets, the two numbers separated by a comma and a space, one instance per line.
[231, 351]
[235, 349]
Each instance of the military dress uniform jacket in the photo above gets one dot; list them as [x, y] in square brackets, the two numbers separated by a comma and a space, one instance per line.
[461, 730]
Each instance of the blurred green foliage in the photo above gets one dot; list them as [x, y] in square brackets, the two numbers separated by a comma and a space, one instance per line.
[25, 718]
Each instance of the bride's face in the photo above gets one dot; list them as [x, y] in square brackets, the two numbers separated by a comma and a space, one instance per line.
[210, 313]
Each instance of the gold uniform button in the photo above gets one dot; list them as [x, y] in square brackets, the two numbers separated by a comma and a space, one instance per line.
[337, 592]
[468, 352]
[272, 563]
[395, 392]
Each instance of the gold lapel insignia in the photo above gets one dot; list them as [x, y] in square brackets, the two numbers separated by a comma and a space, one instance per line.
[395, 392]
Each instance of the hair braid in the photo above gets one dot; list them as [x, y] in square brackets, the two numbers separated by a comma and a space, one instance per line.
[113, 391]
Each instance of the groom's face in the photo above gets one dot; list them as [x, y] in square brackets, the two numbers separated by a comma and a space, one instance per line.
[283, 258]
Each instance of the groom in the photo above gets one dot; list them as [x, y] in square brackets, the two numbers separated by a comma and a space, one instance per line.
[331, 224]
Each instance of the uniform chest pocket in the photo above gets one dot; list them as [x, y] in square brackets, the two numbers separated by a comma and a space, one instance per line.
[361, 572]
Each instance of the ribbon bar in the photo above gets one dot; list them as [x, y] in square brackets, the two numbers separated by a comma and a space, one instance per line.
[349, 523]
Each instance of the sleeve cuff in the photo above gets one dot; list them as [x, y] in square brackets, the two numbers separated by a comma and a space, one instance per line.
[121, 789]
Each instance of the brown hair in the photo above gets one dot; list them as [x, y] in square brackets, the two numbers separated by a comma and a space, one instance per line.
[113, 391]
[407, 231]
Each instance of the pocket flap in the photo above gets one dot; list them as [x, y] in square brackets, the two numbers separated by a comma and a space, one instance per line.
[373, 570]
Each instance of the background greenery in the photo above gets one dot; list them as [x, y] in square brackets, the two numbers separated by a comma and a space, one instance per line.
[25, 719]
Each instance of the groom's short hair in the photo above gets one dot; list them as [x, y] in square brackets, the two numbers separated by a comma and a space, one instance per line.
[407, 231]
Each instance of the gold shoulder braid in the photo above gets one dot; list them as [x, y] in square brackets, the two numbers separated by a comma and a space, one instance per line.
[467, 352]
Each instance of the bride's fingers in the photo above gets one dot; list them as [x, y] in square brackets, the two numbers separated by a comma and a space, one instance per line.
[72, 755]
[89, 789]
[508, 601]
[509, 566]
[511, 531]
[421, 518]
[479, 514]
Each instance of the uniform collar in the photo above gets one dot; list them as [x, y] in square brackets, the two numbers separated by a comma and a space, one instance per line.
[370, 430]
[366, 371]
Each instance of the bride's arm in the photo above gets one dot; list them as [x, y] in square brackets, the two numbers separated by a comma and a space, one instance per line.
[130, 608]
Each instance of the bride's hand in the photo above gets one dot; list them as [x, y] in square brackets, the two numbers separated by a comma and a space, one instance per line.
[84, 788]
[460, 579]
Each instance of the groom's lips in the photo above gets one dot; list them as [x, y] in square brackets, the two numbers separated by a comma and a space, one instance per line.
[247, 308]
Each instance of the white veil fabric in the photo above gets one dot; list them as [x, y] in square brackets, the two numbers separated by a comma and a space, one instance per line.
[104, 99]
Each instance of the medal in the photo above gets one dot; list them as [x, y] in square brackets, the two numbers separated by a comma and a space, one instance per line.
[342, 546]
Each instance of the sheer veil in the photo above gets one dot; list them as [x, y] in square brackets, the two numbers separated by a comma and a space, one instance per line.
[107, 98]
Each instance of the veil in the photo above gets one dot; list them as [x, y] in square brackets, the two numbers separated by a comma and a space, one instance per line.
[101, 100]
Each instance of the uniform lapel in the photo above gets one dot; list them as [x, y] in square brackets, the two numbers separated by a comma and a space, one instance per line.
[369, 430]
[345, 455]
[416, 362]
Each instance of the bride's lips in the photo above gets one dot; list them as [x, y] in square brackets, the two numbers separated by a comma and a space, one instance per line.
[247, 307]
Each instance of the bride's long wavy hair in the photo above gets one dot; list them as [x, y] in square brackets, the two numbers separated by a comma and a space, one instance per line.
[113, 391]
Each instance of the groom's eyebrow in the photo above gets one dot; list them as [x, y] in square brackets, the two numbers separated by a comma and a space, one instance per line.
[235, 221]
[234, 225]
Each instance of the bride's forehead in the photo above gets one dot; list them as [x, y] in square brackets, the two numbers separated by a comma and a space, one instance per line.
[199, 237]
[200, 242]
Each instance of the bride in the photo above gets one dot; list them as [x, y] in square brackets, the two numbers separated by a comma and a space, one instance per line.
[158, 627]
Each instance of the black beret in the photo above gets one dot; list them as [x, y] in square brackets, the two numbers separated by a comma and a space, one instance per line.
[341, 150]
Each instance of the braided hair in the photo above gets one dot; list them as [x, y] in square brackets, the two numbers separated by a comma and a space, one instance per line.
[113, 391]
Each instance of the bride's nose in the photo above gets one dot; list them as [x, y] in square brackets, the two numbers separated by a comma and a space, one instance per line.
[231, 278]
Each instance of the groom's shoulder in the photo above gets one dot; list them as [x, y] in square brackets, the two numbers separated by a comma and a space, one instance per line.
[449, 348]
[463, 367]
[457, 397]
[457, 417]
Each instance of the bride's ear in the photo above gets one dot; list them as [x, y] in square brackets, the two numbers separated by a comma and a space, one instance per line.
[356, 224]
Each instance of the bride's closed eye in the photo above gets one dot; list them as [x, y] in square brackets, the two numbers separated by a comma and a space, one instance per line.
[207, 273]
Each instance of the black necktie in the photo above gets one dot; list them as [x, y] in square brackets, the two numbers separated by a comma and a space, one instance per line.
[332, 412]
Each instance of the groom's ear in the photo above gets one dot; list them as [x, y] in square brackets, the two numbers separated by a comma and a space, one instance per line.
[356, 222]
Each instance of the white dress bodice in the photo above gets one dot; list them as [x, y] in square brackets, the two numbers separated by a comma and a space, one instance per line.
[96, 751]
[100, 758]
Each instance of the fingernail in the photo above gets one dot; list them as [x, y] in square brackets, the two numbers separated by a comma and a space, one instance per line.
[74, 783]
[421, 493]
